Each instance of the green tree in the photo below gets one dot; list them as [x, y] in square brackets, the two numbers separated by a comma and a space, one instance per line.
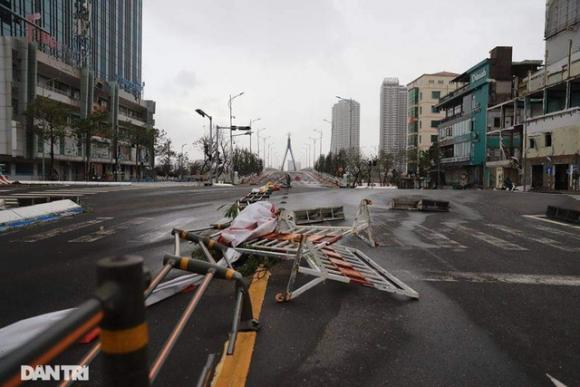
[140, 138]
[85, 128]
[49, 120]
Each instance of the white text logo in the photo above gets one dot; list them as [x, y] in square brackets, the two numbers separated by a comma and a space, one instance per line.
[58, 372]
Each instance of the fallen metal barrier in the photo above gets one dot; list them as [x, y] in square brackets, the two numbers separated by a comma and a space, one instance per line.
[433, 205]
[316, 247]
[318, 215]
[345, 265]
[563, 214]
[426, 205]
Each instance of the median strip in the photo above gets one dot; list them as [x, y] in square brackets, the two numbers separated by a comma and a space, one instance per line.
[233, 370]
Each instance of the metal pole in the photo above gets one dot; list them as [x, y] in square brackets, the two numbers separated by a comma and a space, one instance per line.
[211, 152]
[170, 343]
[525, 144]
[231, 145]
[124, 333]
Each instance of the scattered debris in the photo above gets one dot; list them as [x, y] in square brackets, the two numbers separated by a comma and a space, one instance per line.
[414, 204]
[318, 215]
[563, 214]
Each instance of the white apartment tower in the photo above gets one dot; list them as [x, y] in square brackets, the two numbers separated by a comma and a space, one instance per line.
[393, 121]
[345, 125]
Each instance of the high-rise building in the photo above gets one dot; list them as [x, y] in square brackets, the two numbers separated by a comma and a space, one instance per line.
[86, 55]
[423, 94]
[345, 126]
[393, 122]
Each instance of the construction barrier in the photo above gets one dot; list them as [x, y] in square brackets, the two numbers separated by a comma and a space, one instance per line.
[563, 214]
[413, 204]
[314, 252]
[318, 215]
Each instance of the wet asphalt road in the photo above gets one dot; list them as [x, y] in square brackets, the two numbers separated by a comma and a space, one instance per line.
[502, 330]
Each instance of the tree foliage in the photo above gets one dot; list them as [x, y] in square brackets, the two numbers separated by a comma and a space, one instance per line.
[85, 128]
[49, 120]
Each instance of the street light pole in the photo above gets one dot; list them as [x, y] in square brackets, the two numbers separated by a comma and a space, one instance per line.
[231, 135]
[211, 148]
[258, 138]
[313, 150]
[320, 132]
[254, 120]
[331, 133]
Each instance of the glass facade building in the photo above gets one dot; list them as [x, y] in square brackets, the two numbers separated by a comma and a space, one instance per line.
[113, 42]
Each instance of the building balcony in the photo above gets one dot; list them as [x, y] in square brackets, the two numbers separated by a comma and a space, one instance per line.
[455, 159]
[454, 140]
[131, 120]
[547, 123]
[57, 95]
[452, 95]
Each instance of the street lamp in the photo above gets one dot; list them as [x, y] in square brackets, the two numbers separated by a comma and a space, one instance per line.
[313, 150]
[320, 132]
[349, 121]
[331, 133]
[231, 135]
[254, 120]
[258, 137]
[204, 114]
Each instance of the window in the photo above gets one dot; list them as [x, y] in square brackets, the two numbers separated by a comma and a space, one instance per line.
[431, 81]
[496, 122]
[420, 124]
[548, 139]
[532, 143]
[440, 81]
[434, 123]
[420, 96]
[433, 109]
[435, 94]
[433, 138]
[420, 110]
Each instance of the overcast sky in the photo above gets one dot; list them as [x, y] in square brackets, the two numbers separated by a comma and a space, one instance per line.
[291, 58]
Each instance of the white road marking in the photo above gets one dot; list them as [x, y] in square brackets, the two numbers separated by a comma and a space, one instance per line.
[545, 241]
[439, 239]
[62, 230]
[104, 232]
[556, 382]
[165, 232]
[492, 240]
[510, 278]
[544, 219]
[556, 231]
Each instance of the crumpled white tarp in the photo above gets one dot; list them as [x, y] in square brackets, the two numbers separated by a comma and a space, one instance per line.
[16, 334]
[255, 220]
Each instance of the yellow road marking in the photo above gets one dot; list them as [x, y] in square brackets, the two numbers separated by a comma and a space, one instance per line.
[232, 371]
